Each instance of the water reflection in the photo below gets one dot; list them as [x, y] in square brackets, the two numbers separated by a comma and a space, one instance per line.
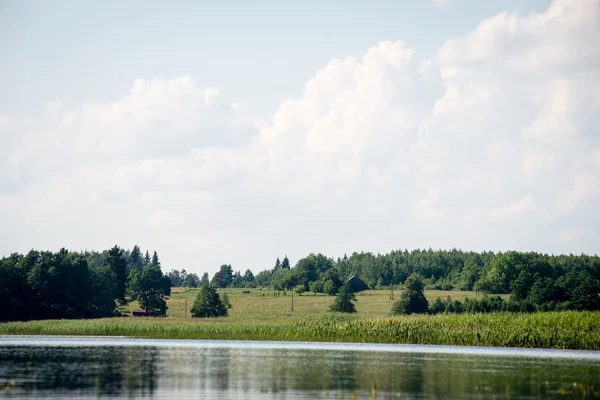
[82, 370]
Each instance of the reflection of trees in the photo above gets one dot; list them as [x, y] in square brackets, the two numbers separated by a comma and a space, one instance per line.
[150, 371]
[140, 366]
[83, 370]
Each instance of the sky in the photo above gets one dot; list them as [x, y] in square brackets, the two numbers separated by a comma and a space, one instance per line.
[238, 132]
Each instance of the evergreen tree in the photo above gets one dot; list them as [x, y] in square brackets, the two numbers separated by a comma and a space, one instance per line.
[237, 281]
[117, 263]
[277, 265]
[205, 280]
[147, 258]
[285, 264]
[135, 259]
[343, 300]
[412, 299]
[223, 278]
[155, 260]
[248, 276]
[208, 304]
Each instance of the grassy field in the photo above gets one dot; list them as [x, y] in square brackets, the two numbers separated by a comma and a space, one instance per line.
[262, 316]
[264, 305]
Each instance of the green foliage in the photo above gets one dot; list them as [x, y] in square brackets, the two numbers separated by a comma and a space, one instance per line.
[248, 276]
[299, 289]
[117, 262]
[208, 304]
[225, 300]
[316, 287]
[150, 287]
[155, 260]
[554, 330]
[44, 285]
[204, 281]
[183, 279]
[412, 300]
[438, 306]
[136, 260]
[330, 288]
[343, 300]
[223, 277]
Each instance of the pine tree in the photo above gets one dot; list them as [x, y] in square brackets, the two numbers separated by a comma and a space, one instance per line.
[155, 260]
[135, 259]
[205, 280]
[286, 263]
[208, 304]
[147, 258]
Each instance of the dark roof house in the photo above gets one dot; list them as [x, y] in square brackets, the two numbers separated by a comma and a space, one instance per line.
[357, 284]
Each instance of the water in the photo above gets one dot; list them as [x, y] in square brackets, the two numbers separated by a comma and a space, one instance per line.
[46, 367]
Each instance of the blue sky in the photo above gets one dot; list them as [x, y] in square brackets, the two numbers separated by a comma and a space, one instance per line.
[258, 52]
[238, 132]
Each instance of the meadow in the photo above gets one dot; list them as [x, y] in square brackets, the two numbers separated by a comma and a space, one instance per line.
[265, 305]
[260, 315]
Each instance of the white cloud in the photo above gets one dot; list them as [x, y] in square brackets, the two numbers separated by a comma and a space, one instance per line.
[536, 160]
[490, 144]
[523, 205]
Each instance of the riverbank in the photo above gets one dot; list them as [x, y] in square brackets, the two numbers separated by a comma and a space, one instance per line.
[555, 330]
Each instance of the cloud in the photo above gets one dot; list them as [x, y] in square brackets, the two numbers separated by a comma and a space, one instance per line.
[490, 144]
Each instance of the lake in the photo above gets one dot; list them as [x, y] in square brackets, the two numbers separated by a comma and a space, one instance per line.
[93, 367]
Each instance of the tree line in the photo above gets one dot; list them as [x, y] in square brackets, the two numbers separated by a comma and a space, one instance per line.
[535, 281]
[87, 284]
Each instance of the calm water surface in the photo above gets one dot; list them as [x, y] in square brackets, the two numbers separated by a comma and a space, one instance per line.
[67, 367]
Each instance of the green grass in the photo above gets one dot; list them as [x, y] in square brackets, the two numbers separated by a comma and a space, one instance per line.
[256, 317]
[261, 306]
[564, 330]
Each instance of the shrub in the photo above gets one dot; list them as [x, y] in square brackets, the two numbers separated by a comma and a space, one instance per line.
[343, 300]
[225, 300]
[329, 287]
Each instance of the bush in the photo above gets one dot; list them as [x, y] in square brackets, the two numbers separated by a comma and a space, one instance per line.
[225, 299]
[343, 300]
[329, 287]
[437, 307]
[208, 304]
[316, 287]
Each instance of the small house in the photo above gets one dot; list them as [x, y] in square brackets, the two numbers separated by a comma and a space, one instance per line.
[357, 284]
[140, 312]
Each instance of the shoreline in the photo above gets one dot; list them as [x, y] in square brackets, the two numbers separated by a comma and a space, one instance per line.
[91, 341]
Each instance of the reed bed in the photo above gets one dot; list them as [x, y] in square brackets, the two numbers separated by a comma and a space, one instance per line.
[556, 330]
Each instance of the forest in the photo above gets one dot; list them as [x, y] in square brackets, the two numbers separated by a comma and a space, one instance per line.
[535, 281]
[90, 284]
[69, 285]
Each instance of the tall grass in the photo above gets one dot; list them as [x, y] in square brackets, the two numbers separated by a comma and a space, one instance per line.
[559, 330]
